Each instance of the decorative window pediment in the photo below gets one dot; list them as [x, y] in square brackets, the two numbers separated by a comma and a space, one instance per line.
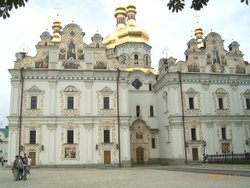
[247, 93]
[221, 91]
[34, 89]
[70, 89]
[191, 92]
[106, 90]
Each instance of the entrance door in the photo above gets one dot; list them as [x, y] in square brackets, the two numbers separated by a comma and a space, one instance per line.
[140, 155]
[195, 154]
[107, 157]
[33, 158]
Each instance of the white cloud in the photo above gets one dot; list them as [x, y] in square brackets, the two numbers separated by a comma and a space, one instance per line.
[169, 30]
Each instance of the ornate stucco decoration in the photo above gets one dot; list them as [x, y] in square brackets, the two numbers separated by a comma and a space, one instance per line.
[27, 110]
[70, 91]
[191, 93]
[106, 92]
[221, 94]
[245, 101]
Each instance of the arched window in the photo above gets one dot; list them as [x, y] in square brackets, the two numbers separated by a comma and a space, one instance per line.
[138, 111]
[151, 109]
[136, 59]
[146, 60]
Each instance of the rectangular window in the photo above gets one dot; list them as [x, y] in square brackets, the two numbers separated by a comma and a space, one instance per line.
[105, 102]
[70, 136]
[220, 102]
[70, 103]
[223, 133]
[191, 102]
[193, 133]
[32, 137]
[106, 135]
[151, 111]
[153, 143]
[248, 104]
[33, 102]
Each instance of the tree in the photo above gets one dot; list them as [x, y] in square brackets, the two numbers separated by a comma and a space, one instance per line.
[178, 5]
[7, 5]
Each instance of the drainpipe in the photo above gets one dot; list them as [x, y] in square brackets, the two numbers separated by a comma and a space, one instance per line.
[183, 119]
[21, 110]
[118, 115]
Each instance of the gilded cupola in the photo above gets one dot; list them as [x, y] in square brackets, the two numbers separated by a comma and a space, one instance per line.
[56, 31]
[125, 32]
[198, 32]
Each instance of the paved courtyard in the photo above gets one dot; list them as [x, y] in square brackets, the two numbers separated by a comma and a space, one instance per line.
[137, 177]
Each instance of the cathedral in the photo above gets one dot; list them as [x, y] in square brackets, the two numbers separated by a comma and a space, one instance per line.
[89, 105]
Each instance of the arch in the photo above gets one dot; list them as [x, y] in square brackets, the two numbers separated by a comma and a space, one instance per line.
[140, 137]
[70, 89]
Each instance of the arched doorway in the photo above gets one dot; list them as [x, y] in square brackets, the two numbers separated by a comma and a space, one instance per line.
[140, 141]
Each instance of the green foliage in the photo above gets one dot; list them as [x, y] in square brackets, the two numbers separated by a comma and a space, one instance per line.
[7, 5]
[178, 5]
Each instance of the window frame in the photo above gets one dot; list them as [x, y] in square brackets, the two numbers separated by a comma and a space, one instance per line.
[138, 110]
[33, 103]
[32, 137]
[106, 136]
[220, 103]
[70, 102]
[223, 133]
[151, 111]
[70, 136]
[153, 143]
[106, 102]
[247, 100]
[191, 103]
[193, 134]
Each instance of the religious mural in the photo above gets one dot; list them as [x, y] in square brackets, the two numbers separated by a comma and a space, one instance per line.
[70, 152]
[100, 65]
[43, 62]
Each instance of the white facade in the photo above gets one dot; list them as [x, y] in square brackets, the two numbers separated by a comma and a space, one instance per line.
[102, 103]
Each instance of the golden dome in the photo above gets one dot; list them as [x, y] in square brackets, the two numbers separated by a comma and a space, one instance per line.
[126, 33]
[57, 29]
[198, 32]
[144, 70]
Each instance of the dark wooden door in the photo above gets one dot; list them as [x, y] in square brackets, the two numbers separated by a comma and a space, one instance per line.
[107, 157]
[140, 155]
[195, 154]
[33, 158]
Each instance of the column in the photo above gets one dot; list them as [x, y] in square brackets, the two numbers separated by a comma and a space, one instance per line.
[51, 143]
[53, 98]
[89, 142]
[235, 100]
[206, 101]
[13, 143]
[123, 98]
[15, 98]
[88, 96]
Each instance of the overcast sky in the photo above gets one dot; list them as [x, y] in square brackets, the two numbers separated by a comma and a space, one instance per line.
[169, 32]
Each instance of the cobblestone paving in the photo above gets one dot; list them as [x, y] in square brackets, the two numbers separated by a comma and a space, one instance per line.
[119, 178]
